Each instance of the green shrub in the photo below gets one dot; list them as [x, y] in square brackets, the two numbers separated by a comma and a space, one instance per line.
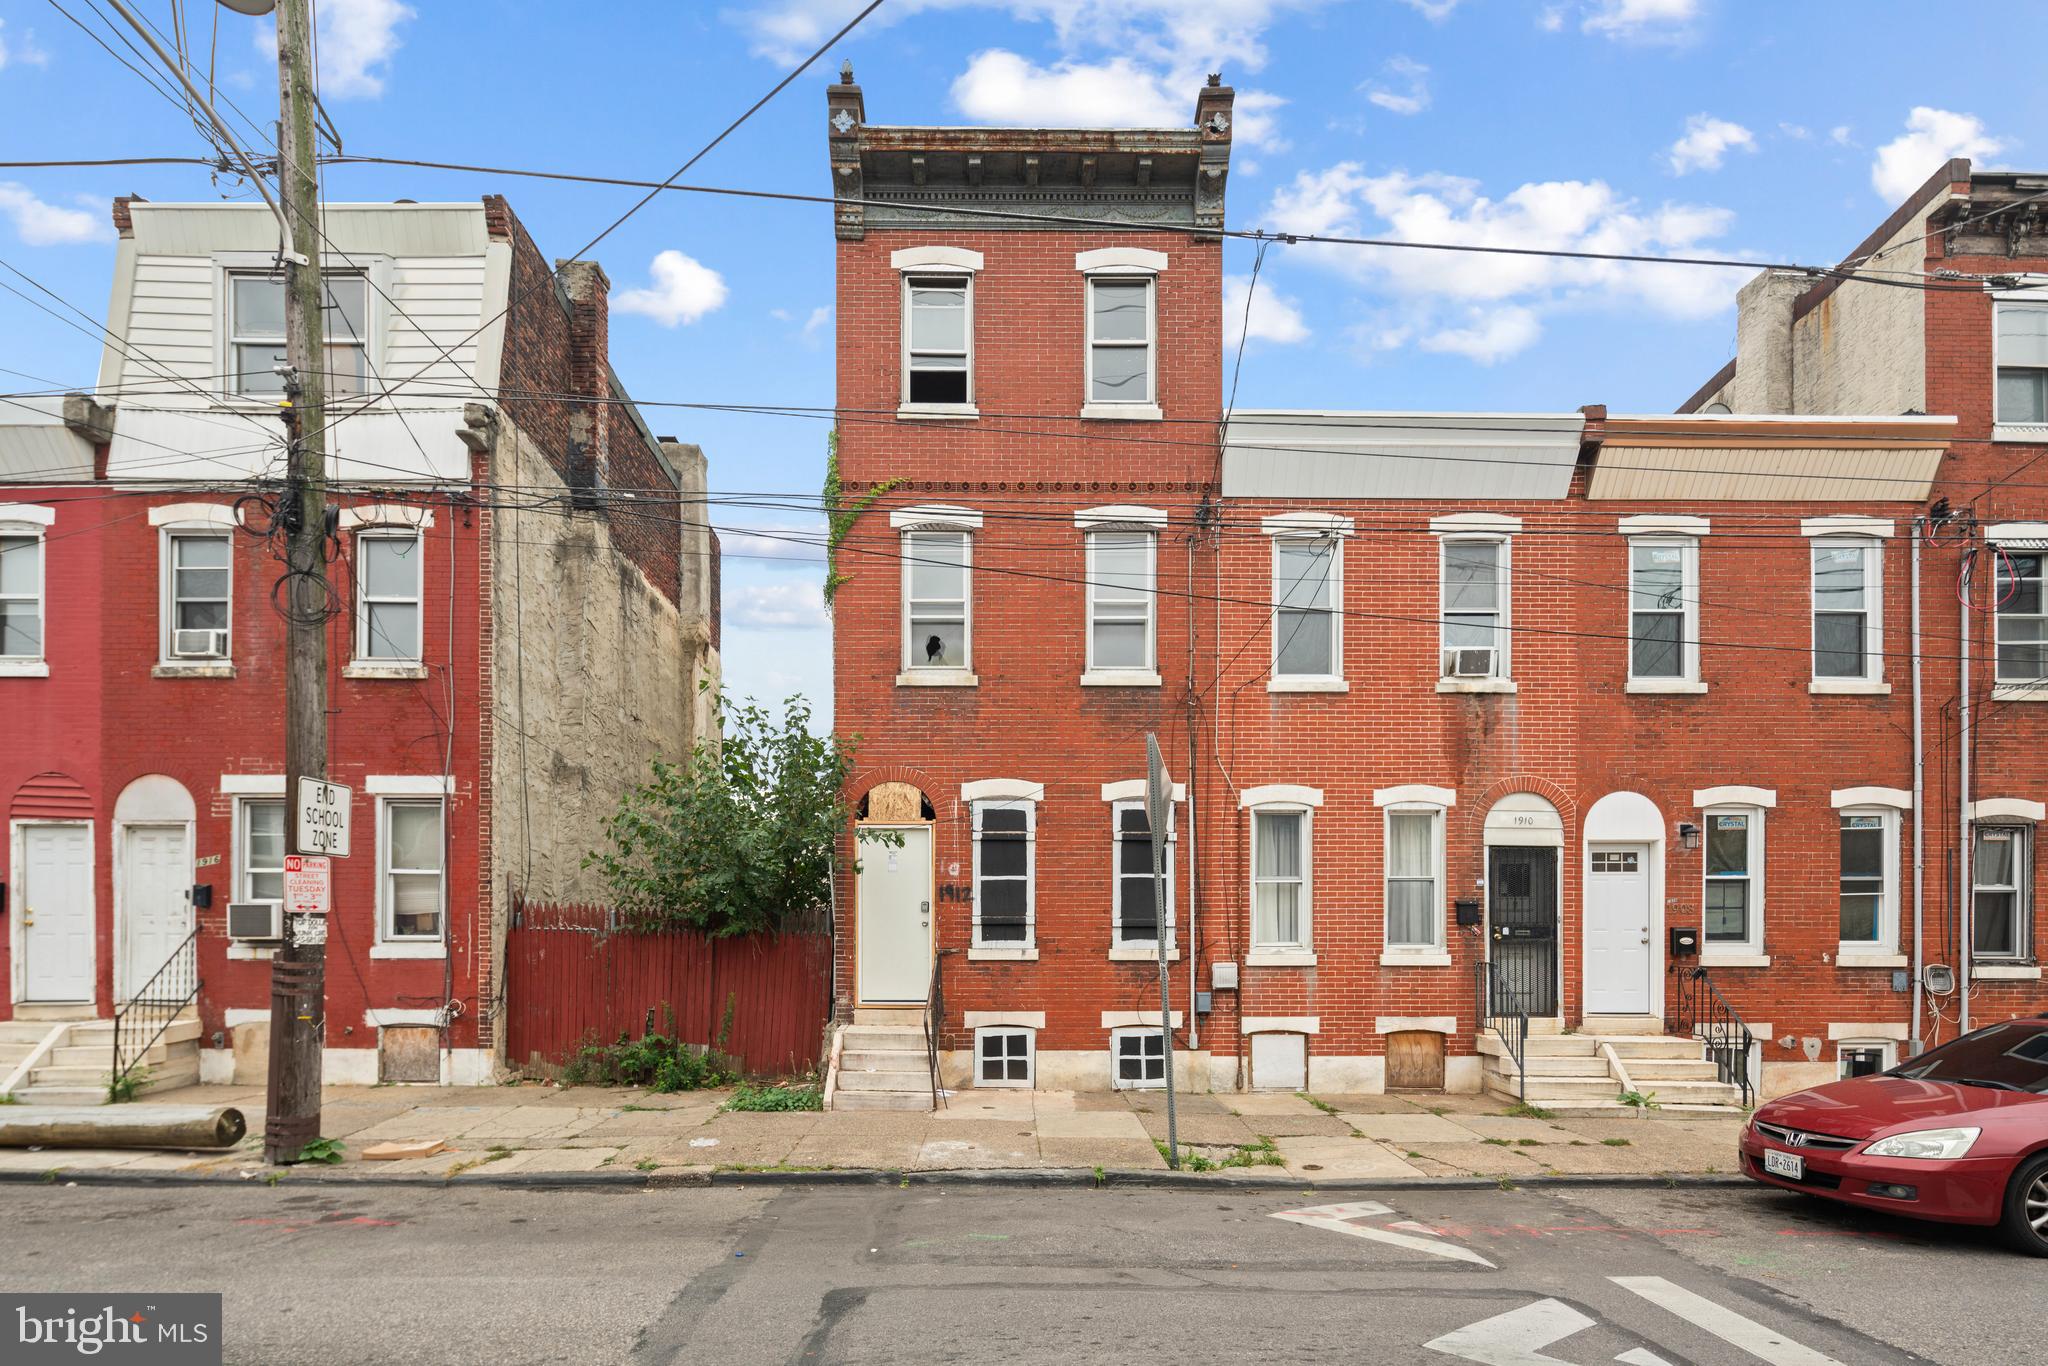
[655, 1061]
[801, 1096]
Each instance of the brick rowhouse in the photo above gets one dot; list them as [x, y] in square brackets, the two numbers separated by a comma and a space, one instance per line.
[512, 641]
[1486, 707]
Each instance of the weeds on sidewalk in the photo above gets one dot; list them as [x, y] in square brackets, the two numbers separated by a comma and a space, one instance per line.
[1322, 1105]
[654, 1061]
[1260, 1154]
[327, 1150]
[1641, 1100]
[124, 1088]
[776, 1098]
[1522, 1109]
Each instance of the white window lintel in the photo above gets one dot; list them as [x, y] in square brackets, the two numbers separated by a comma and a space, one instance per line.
[1005, 1019]
[193, 514]
[1002, 789]
[1414, 794]
[1116, 515]
[1764, 797]
[1135, 1019]
[1895, 797]
[935, 258]
[1839, 1032]
[1848, 525]
[1120, 261]
[2029, 535]
[1280, 794]
[1663, 524]
[1280, 1024]
[1475, 524]
[1305, 524]
[2009, 808]
[1133, 790]
[934, 517]
[252, 784]
[408, 785]
[371, 515]
[32, 514]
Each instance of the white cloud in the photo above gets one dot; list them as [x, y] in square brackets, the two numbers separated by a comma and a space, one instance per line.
[1641, 20]
[1706, 141]
[820, 319]
[21, 51]
[776, 606]
[1798, 132]
[1274, 316]
[1489, 334]
[683, 291]
[1406, 89]
[355, 40]
[1002, 87]
[1551, 19]
[1932, 136]
[1839, 135]
[774, 541]
[42, 224]
[1440, 290]
[1436, 11]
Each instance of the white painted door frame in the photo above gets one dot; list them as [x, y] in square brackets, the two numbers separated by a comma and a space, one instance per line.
[17, 886]
[123, 920]
[1650, 881]
[861, 921]
[1486, 909]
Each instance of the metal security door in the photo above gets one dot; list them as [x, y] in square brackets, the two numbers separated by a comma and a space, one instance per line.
[1521, 885]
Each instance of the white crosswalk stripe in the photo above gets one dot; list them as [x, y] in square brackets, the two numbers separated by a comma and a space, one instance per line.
[1336, 1219]
[1724, 1323]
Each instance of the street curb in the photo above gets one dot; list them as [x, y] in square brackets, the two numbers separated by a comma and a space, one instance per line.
[1025, 1178]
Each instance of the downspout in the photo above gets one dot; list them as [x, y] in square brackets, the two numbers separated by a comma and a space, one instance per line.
[1194, 805]
[1913, 1043]
[1963, 748]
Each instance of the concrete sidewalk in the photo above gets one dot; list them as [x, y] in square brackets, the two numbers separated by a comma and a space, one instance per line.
[1286, 1138]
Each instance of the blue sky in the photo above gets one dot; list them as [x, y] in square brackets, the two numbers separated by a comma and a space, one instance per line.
[1699, 127]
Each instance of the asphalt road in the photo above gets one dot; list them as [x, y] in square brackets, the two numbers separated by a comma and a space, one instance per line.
[955, 1273]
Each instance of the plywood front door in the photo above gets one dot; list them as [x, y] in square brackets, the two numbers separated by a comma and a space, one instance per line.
[895, 937]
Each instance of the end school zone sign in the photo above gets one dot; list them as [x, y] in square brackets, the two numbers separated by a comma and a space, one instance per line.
[323, 818]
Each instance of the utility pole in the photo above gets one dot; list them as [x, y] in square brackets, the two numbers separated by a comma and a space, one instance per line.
[298, 972]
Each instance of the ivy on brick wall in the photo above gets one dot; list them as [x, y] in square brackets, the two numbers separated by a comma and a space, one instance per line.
[840, 515]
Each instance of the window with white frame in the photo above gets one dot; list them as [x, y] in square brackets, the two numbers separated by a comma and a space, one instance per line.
[2022, 364]
[1663, 628]
[936, 599]
[1733, 896]
[1847, 610]
[2021, 617]
[2001, 886]
[21, 593]
[1137, 907]
[1864, 1058]
[1120, 339]
[1137, 1058]
[1868, 868]
[1004, 1056]
[1004, 846]
[259, 850]
[1475, 607]
[256, 337]
[938, 346]
[196, 578]
[1121, 570]
[389, 585]
[1413, 863]
[1281, 879]
[1307, 629]
[411, 872]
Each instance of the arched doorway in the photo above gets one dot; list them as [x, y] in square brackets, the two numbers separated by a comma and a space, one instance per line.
[153, 820]
[893, 896]
[1524, 840]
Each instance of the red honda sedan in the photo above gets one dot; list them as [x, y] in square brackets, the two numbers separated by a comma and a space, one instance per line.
[1958, 1134]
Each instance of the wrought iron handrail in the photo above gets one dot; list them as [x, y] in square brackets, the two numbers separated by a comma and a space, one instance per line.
[934, 1016]
[1511, 1025]
[1704, 1014]
[142, 1019]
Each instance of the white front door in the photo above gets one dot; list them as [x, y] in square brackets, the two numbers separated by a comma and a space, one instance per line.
[156, 903]
[56, 913]
[1618, 930]
[895, 933]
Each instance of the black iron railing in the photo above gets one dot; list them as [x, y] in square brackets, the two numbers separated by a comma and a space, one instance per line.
[141, 1020]
[1497, 1012]
[1704, 1014]
[934, 1016]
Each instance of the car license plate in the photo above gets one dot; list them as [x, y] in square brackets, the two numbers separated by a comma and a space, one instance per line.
[1791, 1166]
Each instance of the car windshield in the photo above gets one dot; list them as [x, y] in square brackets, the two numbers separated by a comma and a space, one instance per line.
[2004, 1057]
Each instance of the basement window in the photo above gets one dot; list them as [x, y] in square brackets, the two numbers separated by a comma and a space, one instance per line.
[1862, 1059]
[1004, 1056]
[1138, 1059]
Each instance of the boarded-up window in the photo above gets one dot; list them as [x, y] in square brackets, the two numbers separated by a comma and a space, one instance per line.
[1280, 1062]
[1415, 1060]
[409, 1053]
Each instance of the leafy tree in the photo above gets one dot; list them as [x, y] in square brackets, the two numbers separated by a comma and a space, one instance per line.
[740, 839]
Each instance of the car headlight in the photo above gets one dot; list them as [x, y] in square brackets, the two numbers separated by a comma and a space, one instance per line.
[1925, 1143]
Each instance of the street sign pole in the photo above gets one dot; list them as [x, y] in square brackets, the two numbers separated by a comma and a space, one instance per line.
[1159, 813]
[298, 971]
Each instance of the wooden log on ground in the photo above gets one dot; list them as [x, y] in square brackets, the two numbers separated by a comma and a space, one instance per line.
[121, 1126]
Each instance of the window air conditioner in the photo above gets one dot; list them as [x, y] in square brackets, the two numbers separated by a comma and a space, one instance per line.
[209, 643]
[255, 920]
[1470, 663]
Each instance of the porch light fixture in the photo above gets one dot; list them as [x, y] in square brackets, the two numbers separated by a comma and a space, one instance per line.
[1689, 834]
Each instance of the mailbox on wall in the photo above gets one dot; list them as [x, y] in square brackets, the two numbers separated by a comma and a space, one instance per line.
[1685, 941]
[1468, 911]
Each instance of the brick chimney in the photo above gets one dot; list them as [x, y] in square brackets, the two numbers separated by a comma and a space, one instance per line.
[587, 292]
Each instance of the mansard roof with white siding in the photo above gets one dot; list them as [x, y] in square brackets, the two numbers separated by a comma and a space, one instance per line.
[436, 302]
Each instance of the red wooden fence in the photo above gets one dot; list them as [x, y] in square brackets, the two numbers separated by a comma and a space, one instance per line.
[570, 980]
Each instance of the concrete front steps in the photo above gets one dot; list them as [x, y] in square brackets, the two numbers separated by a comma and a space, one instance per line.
[73, 1067]
[1590, 1071]
[879, 1063]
